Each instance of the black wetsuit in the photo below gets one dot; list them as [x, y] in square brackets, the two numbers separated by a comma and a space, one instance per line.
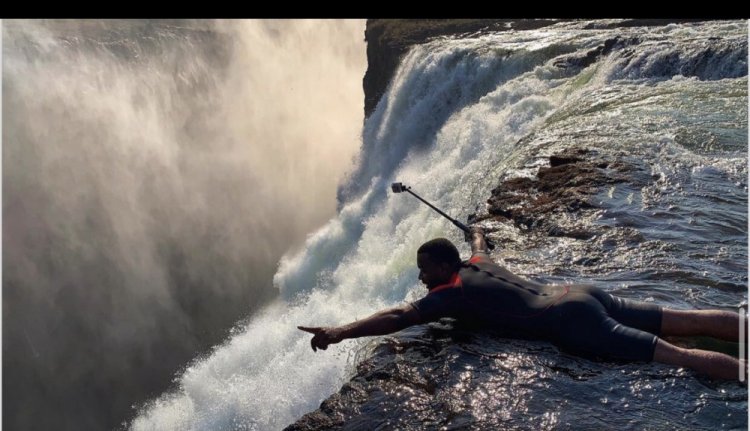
[579, 319]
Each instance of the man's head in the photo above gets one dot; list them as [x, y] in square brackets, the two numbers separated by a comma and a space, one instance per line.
[437, 260]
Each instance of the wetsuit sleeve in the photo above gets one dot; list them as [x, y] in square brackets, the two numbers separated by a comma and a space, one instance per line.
[480, 256]
[433, 307]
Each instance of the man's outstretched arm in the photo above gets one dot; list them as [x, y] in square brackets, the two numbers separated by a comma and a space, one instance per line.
[478, 244]
[381, 323]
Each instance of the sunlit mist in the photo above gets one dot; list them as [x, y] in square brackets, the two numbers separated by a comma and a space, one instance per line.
[153, 174]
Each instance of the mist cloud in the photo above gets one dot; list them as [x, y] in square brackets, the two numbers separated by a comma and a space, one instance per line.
[153, 174]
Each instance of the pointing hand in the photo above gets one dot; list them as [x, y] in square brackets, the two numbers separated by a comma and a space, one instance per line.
[322, 337]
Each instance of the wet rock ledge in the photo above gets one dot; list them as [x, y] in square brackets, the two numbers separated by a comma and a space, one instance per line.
[565, 186]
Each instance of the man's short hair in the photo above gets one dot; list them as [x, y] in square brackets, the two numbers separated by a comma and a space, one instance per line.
[441, 250]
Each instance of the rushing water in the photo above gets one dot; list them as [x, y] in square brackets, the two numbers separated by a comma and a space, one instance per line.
[459, 115]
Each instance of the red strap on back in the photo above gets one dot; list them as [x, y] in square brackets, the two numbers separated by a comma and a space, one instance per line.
[476, 259]
[455, 282]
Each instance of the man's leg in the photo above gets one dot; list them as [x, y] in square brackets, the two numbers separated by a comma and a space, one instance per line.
[712, 323]
[713, 364]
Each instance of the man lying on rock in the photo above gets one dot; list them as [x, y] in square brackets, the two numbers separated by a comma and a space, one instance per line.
[579, 319]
